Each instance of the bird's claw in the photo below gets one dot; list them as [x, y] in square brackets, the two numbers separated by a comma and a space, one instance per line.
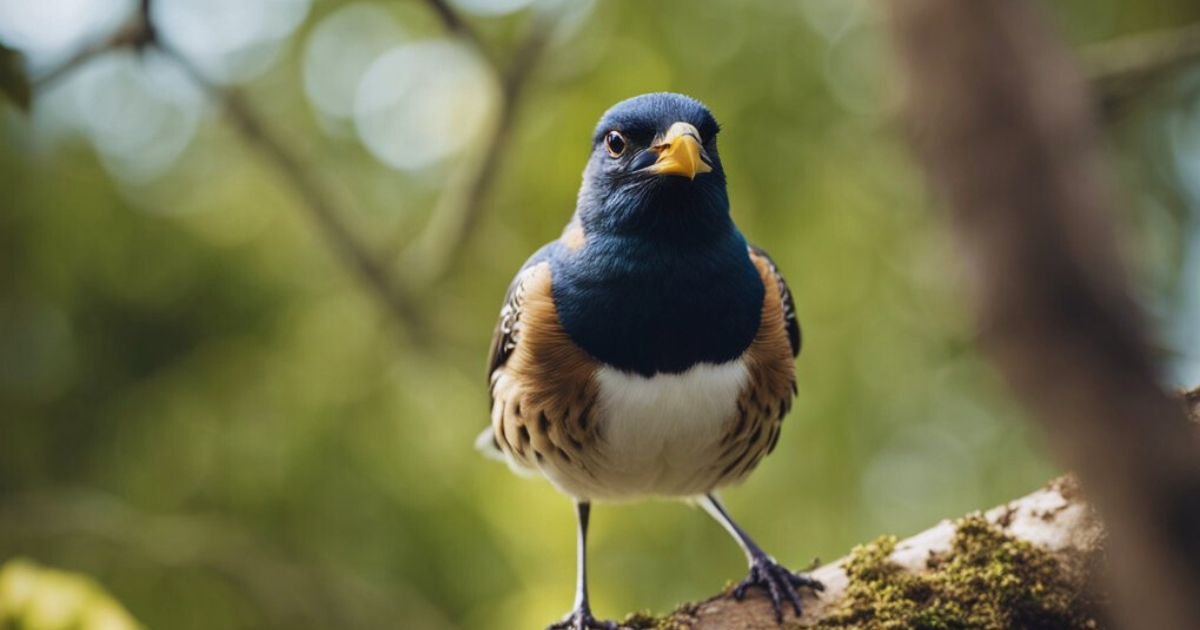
[778, 582]
[582, 619]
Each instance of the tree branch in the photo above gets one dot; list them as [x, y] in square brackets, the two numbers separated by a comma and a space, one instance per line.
[136, 34]
[1001, 120]
[442, 242]
[437, 248]
[454, 23]
[324, 211]
[316, 198]
[1123, 69]
[1054, 519]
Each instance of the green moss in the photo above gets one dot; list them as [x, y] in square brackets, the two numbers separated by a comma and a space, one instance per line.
[673, 621]
[988, 581]
[643, 621]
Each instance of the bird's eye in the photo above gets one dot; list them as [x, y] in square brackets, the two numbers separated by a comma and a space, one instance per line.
[615, 143]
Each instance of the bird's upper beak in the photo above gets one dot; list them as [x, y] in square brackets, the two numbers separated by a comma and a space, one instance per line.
[679, 153]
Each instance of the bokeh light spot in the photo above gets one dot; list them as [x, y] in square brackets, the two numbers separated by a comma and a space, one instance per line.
[139, 113]
[423, 102]
[491, 7]
[229, 40]
[339, 51]
[49, 31]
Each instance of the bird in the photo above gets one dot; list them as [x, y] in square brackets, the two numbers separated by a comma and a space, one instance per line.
[650, 350]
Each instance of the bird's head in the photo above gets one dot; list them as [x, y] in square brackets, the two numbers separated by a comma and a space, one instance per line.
[654, 166]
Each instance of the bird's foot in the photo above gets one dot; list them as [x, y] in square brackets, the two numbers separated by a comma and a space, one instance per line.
[778, 582]
[581, 619]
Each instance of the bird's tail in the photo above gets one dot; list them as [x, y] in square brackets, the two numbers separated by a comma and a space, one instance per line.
[486, 443]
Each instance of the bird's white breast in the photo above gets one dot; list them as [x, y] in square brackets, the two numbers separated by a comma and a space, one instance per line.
[661, 435]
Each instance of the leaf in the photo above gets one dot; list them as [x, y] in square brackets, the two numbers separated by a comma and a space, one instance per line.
[13, 80]
[33, 597]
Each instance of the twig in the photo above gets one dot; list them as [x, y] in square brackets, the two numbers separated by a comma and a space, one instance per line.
[1001, 120]
[442, 241]
[372, 270]
[137, 33]
[455, 23]
[324, 211]
[319, 202]
[1124, 68]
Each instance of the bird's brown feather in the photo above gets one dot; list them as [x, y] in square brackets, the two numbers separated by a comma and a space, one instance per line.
[543, 392]
[767, 397]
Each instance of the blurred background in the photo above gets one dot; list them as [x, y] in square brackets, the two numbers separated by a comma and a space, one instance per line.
[251, 259]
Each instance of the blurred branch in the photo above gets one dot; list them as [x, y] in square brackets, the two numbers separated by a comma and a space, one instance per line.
[1123, 69]
[1001, 120]
[455, 23]
[371, 269]
[289, 593]
[442, 241]
[136, 34]
[326, 213]
[317, 199]
[437, 247]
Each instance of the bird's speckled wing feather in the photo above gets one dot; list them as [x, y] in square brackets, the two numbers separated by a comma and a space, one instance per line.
[504, 337]
[767, 397]
[785, 295]
[504, 341]
[543, 394]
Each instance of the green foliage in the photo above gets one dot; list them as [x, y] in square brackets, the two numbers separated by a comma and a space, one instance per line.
[37, 598]
[987, 581]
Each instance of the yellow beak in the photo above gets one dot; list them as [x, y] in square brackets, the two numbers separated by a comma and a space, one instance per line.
[679, 153]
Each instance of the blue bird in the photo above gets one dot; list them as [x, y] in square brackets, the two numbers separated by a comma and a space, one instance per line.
[649, 351]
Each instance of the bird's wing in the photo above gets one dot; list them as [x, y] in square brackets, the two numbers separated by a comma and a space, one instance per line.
[767, 396]
[542, 385]
[761, 258]
[504, 341]
[504, 337]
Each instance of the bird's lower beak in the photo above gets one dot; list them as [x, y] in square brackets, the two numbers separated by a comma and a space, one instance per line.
[680, 153]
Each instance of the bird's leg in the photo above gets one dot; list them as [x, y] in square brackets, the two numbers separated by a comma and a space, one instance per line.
[765, 572]
[581, 617]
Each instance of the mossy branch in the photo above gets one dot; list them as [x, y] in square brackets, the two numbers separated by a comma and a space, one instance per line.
[1023, 564]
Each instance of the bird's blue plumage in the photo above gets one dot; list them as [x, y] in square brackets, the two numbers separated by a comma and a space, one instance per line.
[641, 117]
[663, 280]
